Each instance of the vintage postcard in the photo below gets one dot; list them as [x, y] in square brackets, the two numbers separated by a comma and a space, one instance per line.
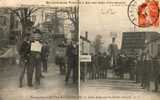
[79, 50]
[122, 39]
[38, 50]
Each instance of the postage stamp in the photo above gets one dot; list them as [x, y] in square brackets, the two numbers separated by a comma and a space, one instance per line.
[144, 13]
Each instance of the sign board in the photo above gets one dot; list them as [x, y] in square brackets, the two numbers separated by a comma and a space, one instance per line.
[36, 46]
[85, 58]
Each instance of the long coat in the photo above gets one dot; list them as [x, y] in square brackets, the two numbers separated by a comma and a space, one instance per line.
[113, 51]
[25, 51]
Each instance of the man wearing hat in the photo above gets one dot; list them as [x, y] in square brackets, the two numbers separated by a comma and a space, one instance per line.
[24, 57]
[72, 61]
[113, 51]
[36, 47]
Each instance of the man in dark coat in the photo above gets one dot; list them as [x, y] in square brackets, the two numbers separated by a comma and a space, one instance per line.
[24, 57]
[105, 64]
[72, 61]
[94, 66]
[61, 58]
[113, 51]
[61, 64]
[100, 64]
[44, 55]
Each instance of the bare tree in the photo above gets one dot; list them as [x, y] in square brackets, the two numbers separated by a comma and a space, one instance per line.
[55, 21]
[73, 16]
[24, 15]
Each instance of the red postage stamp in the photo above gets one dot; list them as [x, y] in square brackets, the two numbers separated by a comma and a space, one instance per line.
[146, 13]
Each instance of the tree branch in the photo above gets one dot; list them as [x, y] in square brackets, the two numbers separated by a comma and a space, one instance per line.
[15, 11]
[31, 11]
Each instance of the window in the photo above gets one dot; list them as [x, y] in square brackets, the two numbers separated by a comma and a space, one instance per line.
[158, 49]
[3, 20]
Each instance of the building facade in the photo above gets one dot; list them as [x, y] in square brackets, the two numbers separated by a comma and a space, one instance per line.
[9, 26]
[153, 48]
[85, 45]
[134, 42]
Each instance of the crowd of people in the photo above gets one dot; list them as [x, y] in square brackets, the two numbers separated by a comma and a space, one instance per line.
[138, 68]
[34, 59]
[101, 63]
[34, 54]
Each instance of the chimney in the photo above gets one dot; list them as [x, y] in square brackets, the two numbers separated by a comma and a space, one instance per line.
[86, 35]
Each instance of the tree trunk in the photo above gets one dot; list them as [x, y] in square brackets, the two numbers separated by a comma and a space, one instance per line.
[21, 36]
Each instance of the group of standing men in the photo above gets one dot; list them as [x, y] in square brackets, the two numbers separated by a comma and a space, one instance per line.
[113, 60]
[99, 66]
[33, 53]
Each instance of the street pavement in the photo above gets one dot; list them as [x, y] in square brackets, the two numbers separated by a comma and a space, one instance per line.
[114, 89]
[52, 87]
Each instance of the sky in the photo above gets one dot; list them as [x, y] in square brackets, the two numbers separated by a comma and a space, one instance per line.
[106, 18]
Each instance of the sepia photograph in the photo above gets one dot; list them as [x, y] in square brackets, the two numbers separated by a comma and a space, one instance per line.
[119, 50]
[79, 50]
[39, 53]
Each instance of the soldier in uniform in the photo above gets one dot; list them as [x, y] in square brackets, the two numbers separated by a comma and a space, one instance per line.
[24, 57]
[113, 51]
